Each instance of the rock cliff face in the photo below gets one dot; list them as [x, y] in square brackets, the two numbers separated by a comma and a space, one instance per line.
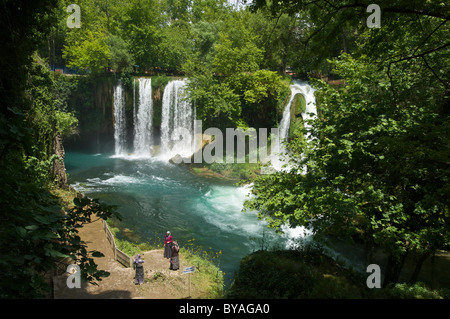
[92, 102]
[58, 169]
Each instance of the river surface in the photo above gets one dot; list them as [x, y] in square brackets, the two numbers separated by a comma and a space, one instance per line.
[155, 196]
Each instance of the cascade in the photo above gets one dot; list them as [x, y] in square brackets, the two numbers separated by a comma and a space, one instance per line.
[177, 122]
[119, 120]
[143, 118]
[310, 112]
[282, 159]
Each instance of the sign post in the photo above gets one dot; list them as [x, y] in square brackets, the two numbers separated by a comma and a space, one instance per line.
[189, 271]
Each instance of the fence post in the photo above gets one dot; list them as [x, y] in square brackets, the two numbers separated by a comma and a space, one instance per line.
[114, 245]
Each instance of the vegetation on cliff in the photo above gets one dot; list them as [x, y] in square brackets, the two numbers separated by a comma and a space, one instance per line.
[36, 229]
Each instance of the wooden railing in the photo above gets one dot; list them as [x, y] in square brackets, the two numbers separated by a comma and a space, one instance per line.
[119, 255]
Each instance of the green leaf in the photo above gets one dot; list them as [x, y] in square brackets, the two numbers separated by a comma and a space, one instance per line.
[32, 227]
[21, 231]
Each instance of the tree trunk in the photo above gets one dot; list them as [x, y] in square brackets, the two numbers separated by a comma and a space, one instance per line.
[393, 268]
[59, 169]
[418, 267]
[344, 39]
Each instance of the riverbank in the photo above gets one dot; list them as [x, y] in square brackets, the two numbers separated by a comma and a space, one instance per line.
[159, 281]
[279, 274]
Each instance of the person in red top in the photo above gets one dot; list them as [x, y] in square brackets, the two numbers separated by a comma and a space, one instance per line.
[168, 245]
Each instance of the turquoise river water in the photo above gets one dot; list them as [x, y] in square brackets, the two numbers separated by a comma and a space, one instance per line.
[154, 196]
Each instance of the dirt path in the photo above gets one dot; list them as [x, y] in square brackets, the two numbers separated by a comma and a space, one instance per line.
[159, 282]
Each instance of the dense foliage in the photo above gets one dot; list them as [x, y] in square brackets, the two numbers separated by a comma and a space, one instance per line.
[377, 162]
[309, 274]
[234, 60]
[375, 169]
[36, 229]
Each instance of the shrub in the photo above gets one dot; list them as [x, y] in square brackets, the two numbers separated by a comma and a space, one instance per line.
[417, 290]
[271, 275]
[159, 81]
[298, 273]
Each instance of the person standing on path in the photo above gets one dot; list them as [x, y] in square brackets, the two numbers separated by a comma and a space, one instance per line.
[138, 265]
[174, 260]
[168, 245]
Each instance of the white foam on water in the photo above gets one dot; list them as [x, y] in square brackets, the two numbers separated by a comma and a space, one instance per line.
[224, 210]
[292, 235]
[115, 180]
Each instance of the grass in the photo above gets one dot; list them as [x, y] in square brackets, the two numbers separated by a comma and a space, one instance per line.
[208, 278]
[129, 247]
[65, 196]
[233, 172]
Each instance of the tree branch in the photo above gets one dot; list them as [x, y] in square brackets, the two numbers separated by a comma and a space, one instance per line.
[421, 54]
[412, 11]
[428, 36]
[440, 15]
[446, 84]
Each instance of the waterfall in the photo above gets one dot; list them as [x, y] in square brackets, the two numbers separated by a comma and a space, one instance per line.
[119, 120]
[310, 112]
[177, 122]
[300, 234]
[143, 117]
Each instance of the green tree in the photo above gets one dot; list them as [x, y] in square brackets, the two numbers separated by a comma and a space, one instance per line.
[263, 93]
[374, 168]
[88, 54]
[120, 57]
[377, 164]
[205, 36]
[216, 103]
[175, 46]
[225, 77]
[141, 29]
[236, 50]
